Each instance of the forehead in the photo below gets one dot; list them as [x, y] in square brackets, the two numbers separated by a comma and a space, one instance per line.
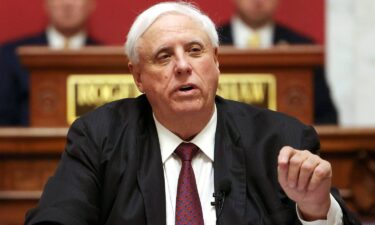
[173, 25]
[263, 2]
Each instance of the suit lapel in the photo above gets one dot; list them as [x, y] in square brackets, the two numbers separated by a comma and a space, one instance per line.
[150, 174]
[90, 41]
[277, 36]
[40, 39]
[226, 34]
[229, 165]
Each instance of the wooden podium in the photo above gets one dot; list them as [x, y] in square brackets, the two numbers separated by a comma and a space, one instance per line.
[290, 66]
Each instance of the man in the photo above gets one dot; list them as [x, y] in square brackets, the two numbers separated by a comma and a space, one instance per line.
[131, 161]
[253, 26]
[68, 20]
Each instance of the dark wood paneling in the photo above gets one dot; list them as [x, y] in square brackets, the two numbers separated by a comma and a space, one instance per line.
[351, 151]
[28, 156]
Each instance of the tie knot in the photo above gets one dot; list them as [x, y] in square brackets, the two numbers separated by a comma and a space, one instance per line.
[186, 151]
[254, 41]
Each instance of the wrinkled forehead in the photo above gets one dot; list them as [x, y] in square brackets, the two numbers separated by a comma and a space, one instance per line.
[174, 20]
[171, 30]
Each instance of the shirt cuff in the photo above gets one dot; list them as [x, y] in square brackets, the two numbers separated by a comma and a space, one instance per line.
[334, 215]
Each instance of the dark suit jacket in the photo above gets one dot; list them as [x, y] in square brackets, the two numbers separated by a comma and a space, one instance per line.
[111, 171]
[14, 81]
[324, 109]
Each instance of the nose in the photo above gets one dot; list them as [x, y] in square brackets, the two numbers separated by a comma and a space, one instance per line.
[183, 66]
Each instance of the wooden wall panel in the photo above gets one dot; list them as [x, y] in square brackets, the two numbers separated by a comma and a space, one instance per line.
[25, 168]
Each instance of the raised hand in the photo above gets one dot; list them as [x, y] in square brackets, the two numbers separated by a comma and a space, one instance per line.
[306, 179]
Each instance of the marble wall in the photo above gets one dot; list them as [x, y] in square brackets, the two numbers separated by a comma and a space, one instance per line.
[350, 30]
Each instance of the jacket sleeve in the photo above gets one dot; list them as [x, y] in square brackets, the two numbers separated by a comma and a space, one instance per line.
[72, 196]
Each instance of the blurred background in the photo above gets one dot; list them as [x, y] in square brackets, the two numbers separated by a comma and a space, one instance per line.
[344, 27]
[339, 63]
[112, 18]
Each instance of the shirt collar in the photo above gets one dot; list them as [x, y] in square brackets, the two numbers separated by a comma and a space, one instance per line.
[205, 139]
[56, 39]
[241, 32]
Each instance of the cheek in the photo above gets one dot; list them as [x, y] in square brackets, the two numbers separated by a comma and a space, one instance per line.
[155, 82]
[210, 75]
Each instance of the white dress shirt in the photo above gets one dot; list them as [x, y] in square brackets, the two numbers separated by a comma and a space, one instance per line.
[203, 168]
[57, 41]
[241, 33]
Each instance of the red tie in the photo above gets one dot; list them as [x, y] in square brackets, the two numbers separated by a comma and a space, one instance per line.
[188, 206]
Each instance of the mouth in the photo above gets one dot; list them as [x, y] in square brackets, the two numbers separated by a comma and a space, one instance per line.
[186, 88]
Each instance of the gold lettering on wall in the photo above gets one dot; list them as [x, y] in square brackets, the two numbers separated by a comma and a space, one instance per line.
[99, 93]
[86, 92]
[255, 89]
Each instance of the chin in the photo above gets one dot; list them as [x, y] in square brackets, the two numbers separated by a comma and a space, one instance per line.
[190, 108]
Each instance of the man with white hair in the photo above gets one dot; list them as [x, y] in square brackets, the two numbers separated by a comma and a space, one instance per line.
[158, 158]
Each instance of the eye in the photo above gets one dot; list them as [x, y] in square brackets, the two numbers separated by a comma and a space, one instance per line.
[195, 50]
[162, 57]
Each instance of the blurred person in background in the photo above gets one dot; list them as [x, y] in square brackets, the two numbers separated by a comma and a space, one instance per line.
[253, 26]
[66, 30]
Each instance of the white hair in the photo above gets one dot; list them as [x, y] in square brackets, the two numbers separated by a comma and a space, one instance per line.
[149, 16]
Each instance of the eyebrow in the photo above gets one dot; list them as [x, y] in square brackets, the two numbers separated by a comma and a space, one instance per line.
[201, 43]
[168, 48]
[161, 49]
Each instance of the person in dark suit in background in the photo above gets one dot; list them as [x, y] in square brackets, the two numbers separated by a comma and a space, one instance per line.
[157, 159]
[66, 30]
[253, 26]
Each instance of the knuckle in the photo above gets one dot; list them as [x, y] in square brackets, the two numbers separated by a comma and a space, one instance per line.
[287, 147]
[286, 150]
[306, 152]
[307, 166]
[316, 158]
[327, 164]
[295, 160]
[321, 173]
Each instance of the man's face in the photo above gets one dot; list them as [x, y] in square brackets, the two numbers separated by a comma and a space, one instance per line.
[69, 16]
[256, 12]
[178, 68]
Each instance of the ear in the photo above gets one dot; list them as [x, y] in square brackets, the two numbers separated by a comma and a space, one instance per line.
[216, 56]
[134, 70]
